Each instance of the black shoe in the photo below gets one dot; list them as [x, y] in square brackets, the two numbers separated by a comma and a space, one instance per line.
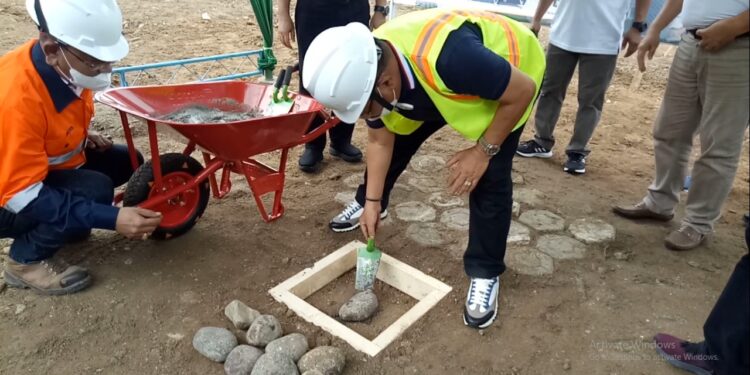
[532, 149]
[576, 163]
[310, 160]
[348, 153]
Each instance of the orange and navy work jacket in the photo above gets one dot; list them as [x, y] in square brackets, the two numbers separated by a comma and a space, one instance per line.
[43, 125]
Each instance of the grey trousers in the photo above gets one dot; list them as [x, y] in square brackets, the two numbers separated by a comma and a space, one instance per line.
[594, 74]
[707, 93]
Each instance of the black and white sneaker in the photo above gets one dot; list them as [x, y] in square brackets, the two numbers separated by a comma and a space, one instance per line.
[531, 149]
[348, 219]
[481, 302]
[576, 163]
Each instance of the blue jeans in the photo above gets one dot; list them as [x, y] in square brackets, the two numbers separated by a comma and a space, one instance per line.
[96, 180]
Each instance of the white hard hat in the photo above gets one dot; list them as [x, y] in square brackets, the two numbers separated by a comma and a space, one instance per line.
[93, 27]
[339, 69]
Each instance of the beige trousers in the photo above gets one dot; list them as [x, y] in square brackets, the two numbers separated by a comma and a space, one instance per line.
[707, 93]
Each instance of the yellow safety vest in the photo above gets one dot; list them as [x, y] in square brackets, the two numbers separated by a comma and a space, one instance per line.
[420, 36]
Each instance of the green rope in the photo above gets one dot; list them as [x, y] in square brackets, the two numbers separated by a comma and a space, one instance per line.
[263, 10]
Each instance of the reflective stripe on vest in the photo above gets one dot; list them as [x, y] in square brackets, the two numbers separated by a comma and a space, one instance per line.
[21, 199]
[61, 159]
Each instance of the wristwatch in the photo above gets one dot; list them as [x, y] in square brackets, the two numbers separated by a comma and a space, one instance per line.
[640, 26]
[381, 9]
[488, 148]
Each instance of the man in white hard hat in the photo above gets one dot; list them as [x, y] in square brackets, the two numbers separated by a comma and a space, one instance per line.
[57, 178]
[477, 72]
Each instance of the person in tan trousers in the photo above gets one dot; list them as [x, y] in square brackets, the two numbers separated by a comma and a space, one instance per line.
[708, 93]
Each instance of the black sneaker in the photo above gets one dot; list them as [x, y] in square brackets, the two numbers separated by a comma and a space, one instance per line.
[576, 163]
[348, 153]
[531, 149]
[310, 160]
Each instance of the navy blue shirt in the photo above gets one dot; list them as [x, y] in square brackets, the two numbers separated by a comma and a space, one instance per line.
[466, 67]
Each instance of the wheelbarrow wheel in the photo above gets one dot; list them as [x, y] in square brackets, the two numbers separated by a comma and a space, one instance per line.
[180, 213]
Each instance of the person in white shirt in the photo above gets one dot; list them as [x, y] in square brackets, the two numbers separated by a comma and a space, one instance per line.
[589, 34]
[708, 93]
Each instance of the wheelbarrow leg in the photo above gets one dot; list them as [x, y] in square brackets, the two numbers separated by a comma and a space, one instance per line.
[263, 180]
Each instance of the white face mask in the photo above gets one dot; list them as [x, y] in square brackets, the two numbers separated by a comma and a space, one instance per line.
[98, 82]
[394, 104]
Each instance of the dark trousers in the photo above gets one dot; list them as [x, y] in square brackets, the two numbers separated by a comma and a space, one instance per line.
[594, 74]
[490, 204]
[312, 17]
[96, 180]
[727, 329]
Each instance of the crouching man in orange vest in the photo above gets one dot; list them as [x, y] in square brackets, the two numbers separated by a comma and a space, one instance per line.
[57, 178]
[479, 73]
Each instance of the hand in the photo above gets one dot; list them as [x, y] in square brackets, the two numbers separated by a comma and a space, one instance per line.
[98, 142]
[648, 46]
[466, 167]
[535, 27]
[716, 36]
[630, 41]
[136, 222]
[370, 219]
[376, 20]
[286, 31]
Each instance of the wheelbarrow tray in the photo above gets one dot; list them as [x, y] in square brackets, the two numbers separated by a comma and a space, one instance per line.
[236, 140]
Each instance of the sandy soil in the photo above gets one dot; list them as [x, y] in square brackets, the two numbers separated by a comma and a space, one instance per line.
[591, 316]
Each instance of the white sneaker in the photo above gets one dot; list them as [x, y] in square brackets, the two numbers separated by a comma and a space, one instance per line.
[481, 302]
[348, 219]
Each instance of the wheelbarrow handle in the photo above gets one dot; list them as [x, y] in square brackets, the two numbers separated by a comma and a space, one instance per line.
[322, 129]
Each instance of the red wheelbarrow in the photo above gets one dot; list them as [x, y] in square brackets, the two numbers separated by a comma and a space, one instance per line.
[176, 184]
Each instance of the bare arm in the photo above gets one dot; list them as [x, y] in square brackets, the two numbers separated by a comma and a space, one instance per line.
[541, 9]
[286, 25]
[632, 37]
[379, 152]
[650, 42]
[378, 18]
[641, 10]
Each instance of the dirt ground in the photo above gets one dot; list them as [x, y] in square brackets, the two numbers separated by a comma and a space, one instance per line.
[591, 316]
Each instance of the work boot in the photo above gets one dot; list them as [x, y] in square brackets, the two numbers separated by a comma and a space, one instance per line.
[639, 212]
[685, 238]
[310, 160]
[683, 354]
[51, 276]
[348, 153]
[481, 302]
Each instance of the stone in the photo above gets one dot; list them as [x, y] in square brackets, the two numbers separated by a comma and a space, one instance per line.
[427, 164]
[20, 308]
[456, 218]
[517, 179]
[542, 221]
[427, 234]
[561, 247]
[527, 261]
[214, 343]
[240, 315]
[329, 360]
[312, 372]
[518, 234]
[6, 250]
[345, 197]
[241, 360]
[264, 329]
[458, 247]
[415, 212]
[566, 365]
[592, 231]
[532, 197]
[2, 286]
[274, 364]
[442, 200]
[425, 184]
[293, 345]
[516, 210]
[360, 307]
[353, 181]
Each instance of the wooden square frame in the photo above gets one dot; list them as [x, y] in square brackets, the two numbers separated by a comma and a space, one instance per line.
[427, 290]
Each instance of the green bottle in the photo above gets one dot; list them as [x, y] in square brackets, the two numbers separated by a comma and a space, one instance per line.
[368, 261]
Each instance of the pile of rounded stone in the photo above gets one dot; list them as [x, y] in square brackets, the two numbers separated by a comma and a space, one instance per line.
[267, 352]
